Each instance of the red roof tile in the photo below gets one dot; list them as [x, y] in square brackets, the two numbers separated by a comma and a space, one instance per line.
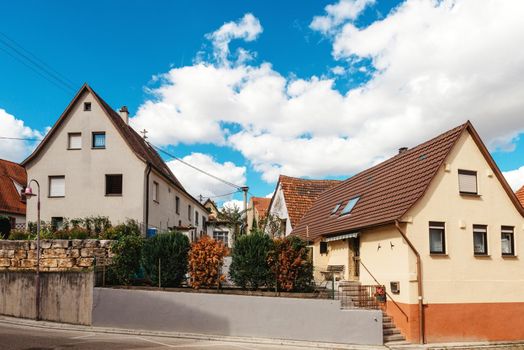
[520, 195]
[300, 194]
[388, 190]
[261, 205]
[10, 201]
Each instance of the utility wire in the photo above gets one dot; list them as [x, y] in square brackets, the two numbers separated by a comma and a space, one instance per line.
[18, 138]
[38, 66]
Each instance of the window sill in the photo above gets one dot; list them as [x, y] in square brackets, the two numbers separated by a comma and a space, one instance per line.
[157, 202]
[439, 255]
[55, 196]
[113, 195]
[482, 256]
[74, 149]
[509, 256]
[98, 148]
[472, 195]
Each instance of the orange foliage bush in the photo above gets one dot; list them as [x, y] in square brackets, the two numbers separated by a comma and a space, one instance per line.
[205, 259]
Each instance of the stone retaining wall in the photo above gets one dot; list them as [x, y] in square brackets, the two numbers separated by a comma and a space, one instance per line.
[55, 255]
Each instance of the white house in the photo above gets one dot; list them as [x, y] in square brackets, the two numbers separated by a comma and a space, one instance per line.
[216, 228]
[93, 163]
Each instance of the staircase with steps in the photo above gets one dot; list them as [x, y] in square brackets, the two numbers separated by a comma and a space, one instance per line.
[353, 294]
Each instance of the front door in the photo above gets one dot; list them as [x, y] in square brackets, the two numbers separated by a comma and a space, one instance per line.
[353, 258]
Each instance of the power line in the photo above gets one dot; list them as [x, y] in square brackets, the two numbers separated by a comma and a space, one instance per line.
[18, 138]
[222, 195]
[32, 62]
[239, 188]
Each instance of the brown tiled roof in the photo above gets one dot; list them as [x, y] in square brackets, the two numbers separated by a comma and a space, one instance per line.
[388, 190]
[300, 194]
[137, 143]
[261, 205]
[10, 201]
[520, 195]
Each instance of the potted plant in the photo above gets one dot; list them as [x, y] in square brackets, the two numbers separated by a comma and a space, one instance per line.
[380, 294]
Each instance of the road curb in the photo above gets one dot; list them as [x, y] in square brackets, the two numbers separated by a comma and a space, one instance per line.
[194, 336]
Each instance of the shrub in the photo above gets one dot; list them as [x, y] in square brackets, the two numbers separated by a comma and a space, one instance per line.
[61, 234]
[126, 260]
[130, 227]
[19, 234]
[171, 251]
[5, 226]
[78, 233]
[205, 260]
[289, 264]
[249, 268]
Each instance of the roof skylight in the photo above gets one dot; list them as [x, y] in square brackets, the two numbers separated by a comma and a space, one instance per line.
[335, 209]
[351, 204]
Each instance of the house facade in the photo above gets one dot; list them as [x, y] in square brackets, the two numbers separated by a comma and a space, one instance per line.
[439, 226]
[13, 179]
[217, 228]
[291, 200]
[257, 212]
[93, 163]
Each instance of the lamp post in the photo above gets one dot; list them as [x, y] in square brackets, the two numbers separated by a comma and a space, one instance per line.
[29, 193]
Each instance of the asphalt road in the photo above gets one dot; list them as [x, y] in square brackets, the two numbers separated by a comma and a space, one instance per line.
[15, 337]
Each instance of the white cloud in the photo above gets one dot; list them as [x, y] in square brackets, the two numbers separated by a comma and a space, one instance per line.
[247, 28]
[434, 65]
[15, 150]
[338, 70]
[515, 178]
[338, 13]
[198, 183]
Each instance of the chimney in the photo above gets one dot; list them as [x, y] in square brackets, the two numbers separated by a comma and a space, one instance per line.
[402, 150]
[124, 114]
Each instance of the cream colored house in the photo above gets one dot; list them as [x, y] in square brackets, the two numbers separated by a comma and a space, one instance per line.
[216, 228]
[439, 226]
[93, 163]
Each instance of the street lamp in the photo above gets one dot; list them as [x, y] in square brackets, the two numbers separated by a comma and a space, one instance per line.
[29, 193]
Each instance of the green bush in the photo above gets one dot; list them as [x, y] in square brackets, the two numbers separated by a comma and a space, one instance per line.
[20, 235]
[5, 227]
[78, 233]
[126, 260]
[171, 250]
[130, 227]
[249, 267]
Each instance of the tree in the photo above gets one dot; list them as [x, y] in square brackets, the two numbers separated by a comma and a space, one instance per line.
[205, 260]
[272, 225]
[234, 219]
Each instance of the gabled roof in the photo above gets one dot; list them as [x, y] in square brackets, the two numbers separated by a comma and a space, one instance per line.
[388, 190]
[300, 194]
[520, 195]
[137, 143]
[261, 205]
[10, 200]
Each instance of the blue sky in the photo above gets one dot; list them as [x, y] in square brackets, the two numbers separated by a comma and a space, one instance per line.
[119, 46]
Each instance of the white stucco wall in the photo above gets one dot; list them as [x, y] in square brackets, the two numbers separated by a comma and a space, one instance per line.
[278, 208]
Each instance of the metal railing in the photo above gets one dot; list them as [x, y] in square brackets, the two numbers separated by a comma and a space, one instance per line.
[354, 295]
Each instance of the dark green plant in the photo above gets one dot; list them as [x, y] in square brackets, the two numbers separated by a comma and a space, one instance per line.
[126, 260]
[78, 233]
[130, 227]
[170, 250]
[5, 227]
[249, 267]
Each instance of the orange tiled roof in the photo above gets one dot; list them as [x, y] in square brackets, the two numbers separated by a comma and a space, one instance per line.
[10, 201]
[261, 205]
[520, 195]
[300, 194]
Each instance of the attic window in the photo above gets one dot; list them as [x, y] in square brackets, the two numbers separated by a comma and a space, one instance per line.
[87, 106]
[422, 156]
[351, 204]
[336, 208]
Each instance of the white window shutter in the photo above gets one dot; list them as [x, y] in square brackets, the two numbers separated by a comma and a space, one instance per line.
[57, 187]
[468, 183]
[75, 141]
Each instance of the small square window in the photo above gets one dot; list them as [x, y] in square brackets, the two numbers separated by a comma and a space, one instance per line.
[507, 241]
[467, 182]
[87, 106]
[57, 222]
[323, 247]
[114, 185]
[480, 239]
[437, 237]
[74, 140]
[99, 140]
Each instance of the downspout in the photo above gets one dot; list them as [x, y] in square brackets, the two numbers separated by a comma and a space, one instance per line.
[147, 172]
[421, 319]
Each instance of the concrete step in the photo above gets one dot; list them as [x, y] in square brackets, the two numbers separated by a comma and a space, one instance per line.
[394, 343]
[391, 331]
[393, 337]
[388, 325]
[386, 319]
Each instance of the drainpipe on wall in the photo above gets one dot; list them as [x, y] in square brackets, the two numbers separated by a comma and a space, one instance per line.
[147, 172]
[419, 284]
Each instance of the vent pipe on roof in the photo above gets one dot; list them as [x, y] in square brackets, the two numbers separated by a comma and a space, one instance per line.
[124, 113]
[402, 150]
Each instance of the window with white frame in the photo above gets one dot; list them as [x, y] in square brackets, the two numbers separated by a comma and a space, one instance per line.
[507, 240]
[467, 182]
[56, 186]
[437, 237]
[74, 141]
[480, 239]
[99, 140]
[221, 236]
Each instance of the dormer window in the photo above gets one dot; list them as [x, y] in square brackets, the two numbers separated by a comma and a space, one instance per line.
[336, 208]
[87, 106]
[467, 182]
[351, 204]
